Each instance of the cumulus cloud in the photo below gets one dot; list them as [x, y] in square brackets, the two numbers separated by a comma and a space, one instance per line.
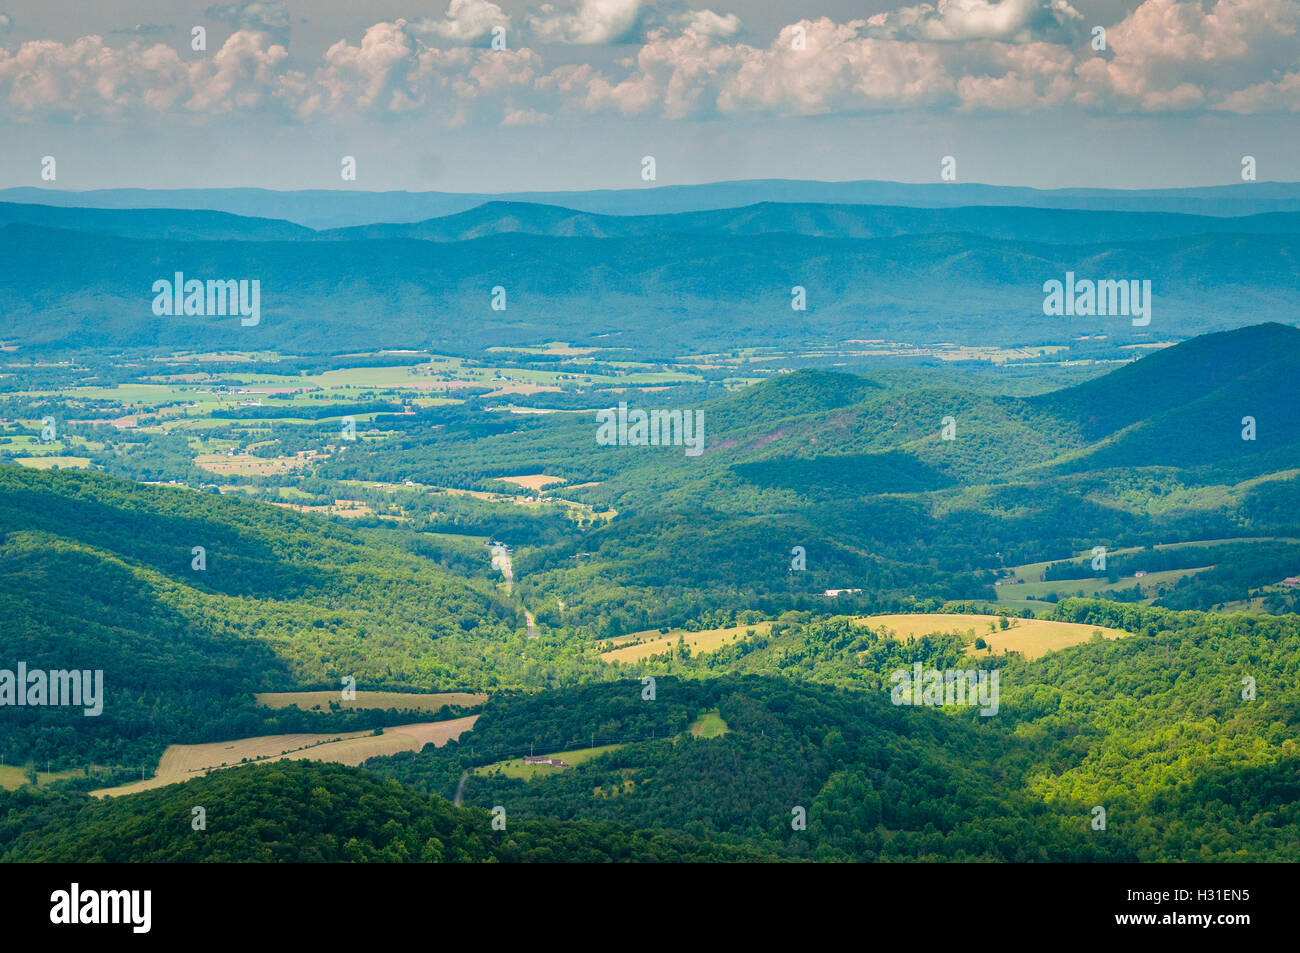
[1239, 56]
[707, 23]
[391, 72]
[1174, 55]
[466, 21]
[587, 22]
[6, 22]
[971, 55]
[590, 21]
[957, 21]
[89, 79]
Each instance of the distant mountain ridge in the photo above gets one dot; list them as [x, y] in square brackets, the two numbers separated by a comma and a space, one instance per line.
[670, 294]
[1015, 223]
[337, 208]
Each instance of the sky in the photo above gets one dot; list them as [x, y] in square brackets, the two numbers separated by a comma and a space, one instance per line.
[574, 94]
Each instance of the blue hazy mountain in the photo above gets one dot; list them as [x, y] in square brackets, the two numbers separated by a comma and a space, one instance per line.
[182, 224]
[666, 293]
[329, 208]
[1022, 223]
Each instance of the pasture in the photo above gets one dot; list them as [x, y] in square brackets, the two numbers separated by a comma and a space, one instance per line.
[643, 645]
[515, 767]
[1030, 637]
[710, 725]
[401, 701]
[183, 762]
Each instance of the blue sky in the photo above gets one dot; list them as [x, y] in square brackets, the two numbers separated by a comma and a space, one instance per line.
[714, 90]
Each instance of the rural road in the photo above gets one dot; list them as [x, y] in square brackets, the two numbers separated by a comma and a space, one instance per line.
[460, 789]
[501, 560]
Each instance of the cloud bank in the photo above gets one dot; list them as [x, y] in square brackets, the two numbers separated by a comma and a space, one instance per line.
[961, 56]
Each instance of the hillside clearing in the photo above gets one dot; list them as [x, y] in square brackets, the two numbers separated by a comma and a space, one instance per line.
[1031, 637]
[516, 768]
[710, 725]
[402, 701]
[182, 762]
[707, 640]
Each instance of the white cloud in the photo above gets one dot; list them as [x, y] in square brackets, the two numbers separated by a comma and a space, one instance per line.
[88, 79]
[591, 21]
[707, 23]
[1237, 56]
[465, 21]
[1179, 55]
[957, 21]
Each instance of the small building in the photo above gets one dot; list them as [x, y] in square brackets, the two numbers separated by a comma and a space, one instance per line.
[1139, 574]
[835, 592]
[556, 762]
[1291, 581]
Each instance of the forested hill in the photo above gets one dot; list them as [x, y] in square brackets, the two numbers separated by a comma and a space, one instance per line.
[302, 811]
[99, 573]
[1151, 452]
[658, 294]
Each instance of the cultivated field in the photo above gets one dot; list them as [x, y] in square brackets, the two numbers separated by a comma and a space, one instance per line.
[402, 701]
[657, 643]
[183, 762]
[1030, 637]
[532, 481]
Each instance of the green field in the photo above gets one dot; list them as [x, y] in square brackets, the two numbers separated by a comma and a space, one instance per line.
[1093, 587]
[515, 767]
[709, 725]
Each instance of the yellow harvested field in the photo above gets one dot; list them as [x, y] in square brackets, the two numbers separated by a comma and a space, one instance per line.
[402, 701]
[532, 481]
[709, 640]
[1030, 637]
[184, 762]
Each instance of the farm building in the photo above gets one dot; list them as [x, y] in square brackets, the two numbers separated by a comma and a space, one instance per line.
[529, 759]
